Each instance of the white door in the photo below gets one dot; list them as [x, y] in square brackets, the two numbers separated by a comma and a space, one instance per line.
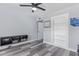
[60, 30]
[40, 30]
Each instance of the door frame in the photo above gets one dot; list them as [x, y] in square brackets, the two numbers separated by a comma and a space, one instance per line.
[52, 18]
[40, 21]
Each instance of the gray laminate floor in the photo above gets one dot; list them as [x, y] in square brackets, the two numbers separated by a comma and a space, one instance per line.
[40, 49]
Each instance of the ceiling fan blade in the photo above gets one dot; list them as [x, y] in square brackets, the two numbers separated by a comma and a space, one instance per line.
[38, 3]
[33, 4]
[40, 8]
[26, 5]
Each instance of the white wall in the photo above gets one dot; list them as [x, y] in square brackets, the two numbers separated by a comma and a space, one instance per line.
[15, 20]
[73, 31]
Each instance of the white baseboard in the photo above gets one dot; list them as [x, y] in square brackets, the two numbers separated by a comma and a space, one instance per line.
[64, 48]
[48, 42]
[12, 45]
[72, 50]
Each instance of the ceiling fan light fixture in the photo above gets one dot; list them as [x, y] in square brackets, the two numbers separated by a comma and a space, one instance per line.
[33, 8]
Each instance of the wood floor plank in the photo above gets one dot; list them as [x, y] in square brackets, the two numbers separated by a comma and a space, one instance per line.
[44, 51]
[37, 50]
[72, 53]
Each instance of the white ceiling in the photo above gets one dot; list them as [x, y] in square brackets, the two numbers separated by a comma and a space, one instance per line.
[50, 7]
[58, 6]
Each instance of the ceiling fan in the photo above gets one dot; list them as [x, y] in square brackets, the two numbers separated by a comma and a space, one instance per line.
[34, 6]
